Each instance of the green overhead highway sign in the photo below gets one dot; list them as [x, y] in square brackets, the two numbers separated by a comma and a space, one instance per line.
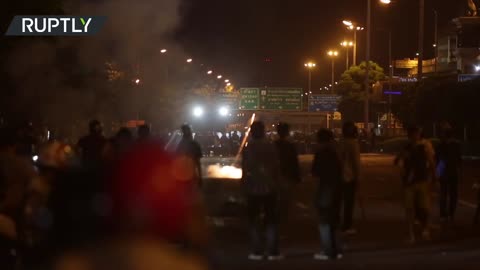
[249, 98]
[281, 99]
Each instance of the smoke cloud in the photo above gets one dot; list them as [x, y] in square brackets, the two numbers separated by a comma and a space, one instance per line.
[62, 81]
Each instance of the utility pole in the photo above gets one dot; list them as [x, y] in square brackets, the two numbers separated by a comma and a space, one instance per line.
[421, 35]
[367, 73]
[436, 41]
[390, 79]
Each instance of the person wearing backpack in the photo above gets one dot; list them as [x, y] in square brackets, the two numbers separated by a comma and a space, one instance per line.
[418, 159]
[449, 161]
[261, 172]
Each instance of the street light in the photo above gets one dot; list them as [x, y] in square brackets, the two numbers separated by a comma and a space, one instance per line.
[228, 84]
[477, 68]
[189, 60]
[347, 45]
[355, 28]
[209, 72]
[227, 81]
[219, 77]
[367, 60]
[333, 54]
[137, 81]
[163, 50]
[310, 66]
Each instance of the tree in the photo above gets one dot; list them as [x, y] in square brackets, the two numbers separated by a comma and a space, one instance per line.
[351, 88]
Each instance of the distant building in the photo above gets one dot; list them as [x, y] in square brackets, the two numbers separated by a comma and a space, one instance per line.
[458, 51]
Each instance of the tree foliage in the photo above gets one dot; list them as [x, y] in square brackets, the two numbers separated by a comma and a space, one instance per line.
[351, 88]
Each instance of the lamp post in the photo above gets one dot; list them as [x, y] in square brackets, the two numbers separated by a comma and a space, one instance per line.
[355, 28]
[367, 60]
[333, 54]
[347, 45]
[310, 66]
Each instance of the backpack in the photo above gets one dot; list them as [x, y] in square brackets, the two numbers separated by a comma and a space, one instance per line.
[416, 164]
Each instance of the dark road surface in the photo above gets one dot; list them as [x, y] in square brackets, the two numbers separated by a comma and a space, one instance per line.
[379, 219]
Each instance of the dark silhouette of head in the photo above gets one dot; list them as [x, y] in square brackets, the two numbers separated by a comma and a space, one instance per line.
[124, 133]
[349, 130]
[143, 132]
[283, 130]
[324, 136]
[414, 133]
[95, 127]
[446, 133]
[257, 130]
[186, 131]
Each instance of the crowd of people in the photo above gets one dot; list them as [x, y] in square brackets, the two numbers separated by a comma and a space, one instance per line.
[268, 183]
[336, 168]
[112, 197]
[104, 203]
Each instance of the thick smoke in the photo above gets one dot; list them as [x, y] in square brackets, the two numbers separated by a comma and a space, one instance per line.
[62, 81]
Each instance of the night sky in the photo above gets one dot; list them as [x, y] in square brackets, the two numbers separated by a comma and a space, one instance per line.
[237, 36]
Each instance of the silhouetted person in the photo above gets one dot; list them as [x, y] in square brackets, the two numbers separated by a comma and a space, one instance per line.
[261, 171]
[418, 160]
[189, 148]
[123, 140]
[449, 161]
[350, 156]
[15, 174]
[91, 146]
[143, 132]
[289, 167]
[327, 171]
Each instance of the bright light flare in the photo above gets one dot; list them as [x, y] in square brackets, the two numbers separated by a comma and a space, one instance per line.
[226, 81]
[198, 111]
[137, 81]
[219, 77]
[224, 172]
[477, 68]
[347, 43]
[386, 2]
[223, 111]
[163, 50]
[332, 53]
[189, 60]
[209, 72]
[347, 23]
